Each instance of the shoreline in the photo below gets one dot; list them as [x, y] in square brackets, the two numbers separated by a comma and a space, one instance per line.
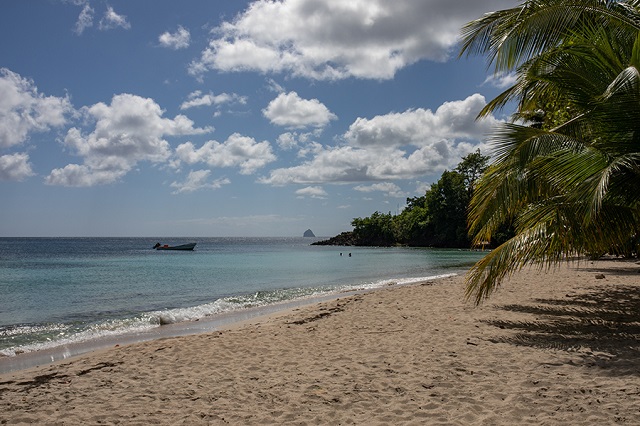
[550, 347]
[221, 321]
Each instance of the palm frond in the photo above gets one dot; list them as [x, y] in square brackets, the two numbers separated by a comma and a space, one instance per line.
[569, 184]
[511, 37]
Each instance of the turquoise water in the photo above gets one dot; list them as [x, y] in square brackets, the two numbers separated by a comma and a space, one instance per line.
[56, 291]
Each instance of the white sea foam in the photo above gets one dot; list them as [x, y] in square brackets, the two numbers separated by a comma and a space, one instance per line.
[234, 303]
[97, 331]
[398, 281]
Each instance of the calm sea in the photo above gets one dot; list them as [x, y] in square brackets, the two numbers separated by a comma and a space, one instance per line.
[58, 291]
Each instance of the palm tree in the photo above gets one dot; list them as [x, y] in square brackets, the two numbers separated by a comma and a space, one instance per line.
[569, 183]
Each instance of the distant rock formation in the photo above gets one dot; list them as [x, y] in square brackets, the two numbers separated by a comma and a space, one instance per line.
[309, 233]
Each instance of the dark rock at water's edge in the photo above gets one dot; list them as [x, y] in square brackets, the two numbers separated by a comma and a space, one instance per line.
[309, 233]
[344, 239]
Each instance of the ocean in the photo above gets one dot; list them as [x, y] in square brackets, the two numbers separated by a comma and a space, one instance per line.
[56, 292]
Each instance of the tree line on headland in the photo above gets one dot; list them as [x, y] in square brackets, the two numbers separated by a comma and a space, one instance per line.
[436, 219]
[565, 173]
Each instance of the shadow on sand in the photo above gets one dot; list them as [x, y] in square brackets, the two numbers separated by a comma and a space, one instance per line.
[602, 326]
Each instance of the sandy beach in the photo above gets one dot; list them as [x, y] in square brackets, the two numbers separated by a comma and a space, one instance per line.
[548, 348]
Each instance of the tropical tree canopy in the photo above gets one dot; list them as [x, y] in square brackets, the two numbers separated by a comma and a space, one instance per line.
[436, 219]
[566, 170]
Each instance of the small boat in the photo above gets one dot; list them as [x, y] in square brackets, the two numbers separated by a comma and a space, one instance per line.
[188, 246]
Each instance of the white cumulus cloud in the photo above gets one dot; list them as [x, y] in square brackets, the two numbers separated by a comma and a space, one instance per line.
[129, 130]
[85, 19]
[112, 20]
[303, 140]
[423, 127]
[237, 151]
[390, 189]
[196, 180]
[23, 110]
[290, 110]
[331, 164]
[501, 80]
[198, 99]
[312, 192]
[336, 39]
[287, 141]
[406, 145]
[178, 40]
[15, 167]
[80, 175]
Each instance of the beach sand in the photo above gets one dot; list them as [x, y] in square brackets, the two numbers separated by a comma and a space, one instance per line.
[548, 348]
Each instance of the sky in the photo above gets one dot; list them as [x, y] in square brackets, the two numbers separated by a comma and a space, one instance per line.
[205, 118]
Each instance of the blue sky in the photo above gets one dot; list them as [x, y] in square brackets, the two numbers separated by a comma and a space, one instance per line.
[230, 118]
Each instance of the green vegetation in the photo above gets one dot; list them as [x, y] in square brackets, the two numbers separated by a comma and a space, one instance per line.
[436, 219]
[567, 170]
